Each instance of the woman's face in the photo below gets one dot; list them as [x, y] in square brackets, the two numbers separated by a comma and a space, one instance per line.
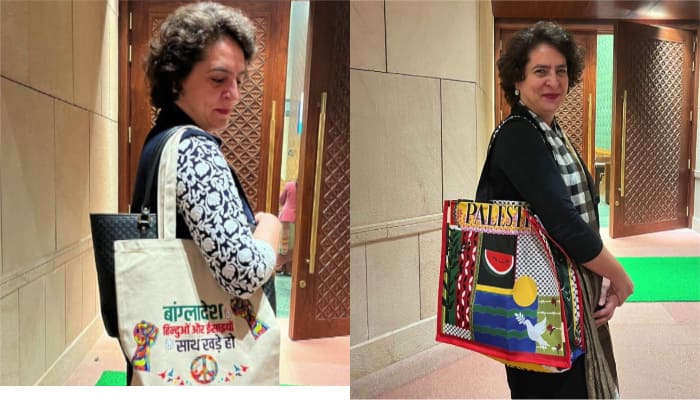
[546, 81]
[211, 90]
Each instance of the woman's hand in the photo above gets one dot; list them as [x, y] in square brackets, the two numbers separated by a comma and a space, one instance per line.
[269, 229]
[263, 218]
[605, 314]
[605, 265]
[623, 289]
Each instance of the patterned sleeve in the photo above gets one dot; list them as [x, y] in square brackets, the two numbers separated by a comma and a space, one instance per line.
[208, 200]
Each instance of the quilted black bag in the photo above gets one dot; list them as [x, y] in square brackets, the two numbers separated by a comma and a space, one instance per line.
[108, 228]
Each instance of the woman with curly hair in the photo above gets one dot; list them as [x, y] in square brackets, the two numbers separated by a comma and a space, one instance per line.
[532, 160]
[195, 67]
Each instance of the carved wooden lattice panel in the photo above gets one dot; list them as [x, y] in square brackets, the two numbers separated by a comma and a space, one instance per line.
[652, 179]
[570, 117]
[242, 138]
[332, 297]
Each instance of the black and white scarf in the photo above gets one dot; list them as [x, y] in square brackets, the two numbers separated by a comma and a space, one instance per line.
[571, 170]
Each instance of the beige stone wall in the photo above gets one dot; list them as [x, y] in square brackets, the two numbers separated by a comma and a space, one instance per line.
[58, 163]
[421, 112]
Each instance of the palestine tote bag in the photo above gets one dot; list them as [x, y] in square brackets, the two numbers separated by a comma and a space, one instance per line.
[503, 291]
[176, 325]
[507, 289]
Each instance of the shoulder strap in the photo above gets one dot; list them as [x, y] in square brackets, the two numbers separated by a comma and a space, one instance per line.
[153, 168]
[483, 189]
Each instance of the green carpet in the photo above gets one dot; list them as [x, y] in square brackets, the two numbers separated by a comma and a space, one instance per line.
[663, 278]
[112, 378]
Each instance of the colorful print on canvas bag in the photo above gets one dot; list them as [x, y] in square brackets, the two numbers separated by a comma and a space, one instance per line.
[176, 325]
[507, 290]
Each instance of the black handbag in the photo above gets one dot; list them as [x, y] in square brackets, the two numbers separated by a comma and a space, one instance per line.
[108, 228]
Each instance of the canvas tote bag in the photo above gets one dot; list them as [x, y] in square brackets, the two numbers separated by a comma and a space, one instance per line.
[176, 325]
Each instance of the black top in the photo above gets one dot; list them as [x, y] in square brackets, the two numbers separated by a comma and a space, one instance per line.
[521, 167]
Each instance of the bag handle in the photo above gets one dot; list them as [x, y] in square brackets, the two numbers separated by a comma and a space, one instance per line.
[483, 189]
[167, 181]
[144, 220]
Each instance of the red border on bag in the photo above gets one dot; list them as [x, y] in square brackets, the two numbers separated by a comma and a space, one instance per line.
[443, 251]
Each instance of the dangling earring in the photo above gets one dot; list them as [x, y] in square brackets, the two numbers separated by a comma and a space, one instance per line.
[517, 92]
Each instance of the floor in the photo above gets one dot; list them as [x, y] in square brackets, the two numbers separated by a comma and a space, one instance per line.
[657, 346]
[316, 362]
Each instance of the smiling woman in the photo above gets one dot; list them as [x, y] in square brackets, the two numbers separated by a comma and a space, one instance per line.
[546, 81]
[534, 161]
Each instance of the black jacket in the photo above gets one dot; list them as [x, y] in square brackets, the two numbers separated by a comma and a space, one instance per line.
[521, 167]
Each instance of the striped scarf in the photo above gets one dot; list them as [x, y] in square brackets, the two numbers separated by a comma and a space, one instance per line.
[571, 169]
[601, 370]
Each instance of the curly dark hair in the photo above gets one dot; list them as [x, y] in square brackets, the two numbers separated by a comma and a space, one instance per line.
[511, 65]
[182, 40]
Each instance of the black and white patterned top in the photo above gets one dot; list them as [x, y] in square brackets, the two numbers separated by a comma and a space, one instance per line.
[211, 207]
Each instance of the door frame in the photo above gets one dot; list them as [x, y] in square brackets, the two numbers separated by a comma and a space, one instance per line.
[606, 26]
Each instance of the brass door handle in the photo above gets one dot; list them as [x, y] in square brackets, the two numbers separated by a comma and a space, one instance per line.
[591, 136]
[271, 158]
[317, 182]
[622, 145]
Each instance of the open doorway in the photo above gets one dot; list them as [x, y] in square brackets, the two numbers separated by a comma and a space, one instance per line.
[603, 123]
[291, 150]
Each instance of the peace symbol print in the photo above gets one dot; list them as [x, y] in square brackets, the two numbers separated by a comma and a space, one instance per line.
[204, 369]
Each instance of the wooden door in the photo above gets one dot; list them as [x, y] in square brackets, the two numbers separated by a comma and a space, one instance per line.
[651, 129]
[577, 114]
[320, 303]
[251, 142]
